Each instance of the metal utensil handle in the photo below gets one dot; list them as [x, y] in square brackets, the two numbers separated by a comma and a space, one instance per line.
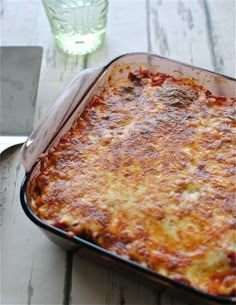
[58, 114]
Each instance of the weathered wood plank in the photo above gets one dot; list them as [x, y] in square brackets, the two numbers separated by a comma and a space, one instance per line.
[32, 267]
[221, 18]
[178, 31]
[95, 284]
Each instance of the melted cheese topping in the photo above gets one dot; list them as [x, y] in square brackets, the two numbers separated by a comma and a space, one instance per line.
[148, 172]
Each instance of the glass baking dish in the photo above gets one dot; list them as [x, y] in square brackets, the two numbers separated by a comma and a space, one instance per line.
[61, 117]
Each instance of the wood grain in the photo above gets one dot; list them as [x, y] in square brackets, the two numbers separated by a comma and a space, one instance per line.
[24, 249]
[178, 31]
[194, 32]
[221, 34]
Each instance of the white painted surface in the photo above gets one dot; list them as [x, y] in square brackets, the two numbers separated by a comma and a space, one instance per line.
[178, 30]
[32, 268]
[223, 19]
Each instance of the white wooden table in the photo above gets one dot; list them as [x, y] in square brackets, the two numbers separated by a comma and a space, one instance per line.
[34, 270]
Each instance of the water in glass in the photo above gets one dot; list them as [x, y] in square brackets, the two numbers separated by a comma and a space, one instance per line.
[78, 25]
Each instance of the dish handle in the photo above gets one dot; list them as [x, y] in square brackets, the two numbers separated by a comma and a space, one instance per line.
[58, 114]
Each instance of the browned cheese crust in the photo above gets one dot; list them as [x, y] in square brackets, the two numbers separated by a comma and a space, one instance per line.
[148, 172]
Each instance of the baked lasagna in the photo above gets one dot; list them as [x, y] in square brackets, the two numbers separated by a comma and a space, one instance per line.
[147, 171]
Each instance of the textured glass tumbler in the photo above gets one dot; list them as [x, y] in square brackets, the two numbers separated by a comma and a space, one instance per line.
[78, 25]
